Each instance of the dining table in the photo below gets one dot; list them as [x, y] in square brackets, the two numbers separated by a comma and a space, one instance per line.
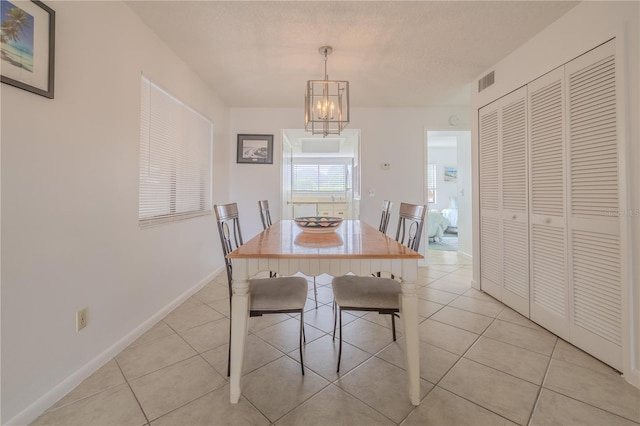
[354, 247]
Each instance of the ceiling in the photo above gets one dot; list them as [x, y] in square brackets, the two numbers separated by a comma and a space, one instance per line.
[393, 53]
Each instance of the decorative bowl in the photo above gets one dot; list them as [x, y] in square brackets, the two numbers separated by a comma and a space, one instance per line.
[318, 224]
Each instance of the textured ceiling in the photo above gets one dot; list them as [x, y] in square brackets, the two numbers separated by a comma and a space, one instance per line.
[393, 53]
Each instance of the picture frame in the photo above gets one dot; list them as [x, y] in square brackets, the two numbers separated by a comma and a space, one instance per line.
[450, 174]
[27, 46]
[255, 149]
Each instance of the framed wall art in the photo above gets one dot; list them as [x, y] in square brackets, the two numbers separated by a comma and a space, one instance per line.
[27, 46]
[255, 149]
[450, 174]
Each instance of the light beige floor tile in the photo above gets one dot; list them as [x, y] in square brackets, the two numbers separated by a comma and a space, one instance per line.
[285, 335]
[366, 335]
[173, 386]
[214, 409]
[221, 306]
[207, 336]
[444, 408]
[257, 353]
[115, 406]
[279, 387]
[385, 321]
[569, 353]
[427, 308]
[136, 361]
[450, 286]
[321, 356]
[477, 294]
[184, 318]
[325, 294]
[267, 320]
[382, 385]
[510, 315]
[435, 295]
[212, 292]
[332, 406]
[509, 359]
[499, 392]
[540, 341]
[107, 376]
[482, 307]
[465, 320]
[434, 362]
[437, 265]
[445, 336]
[158, 331]
[322, 318]
[602, 390]
[557, 410]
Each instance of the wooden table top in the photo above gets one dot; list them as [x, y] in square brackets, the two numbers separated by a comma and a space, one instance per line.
[353, 240]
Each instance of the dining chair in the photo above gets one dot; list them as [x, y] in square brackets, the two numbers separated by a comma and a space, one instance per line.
[281, 295]
[386, 213]
[265, 217]
[382, 295]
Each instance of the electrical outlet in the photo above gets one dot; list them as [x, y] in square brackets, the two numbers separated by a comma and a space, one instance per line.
[81, 319]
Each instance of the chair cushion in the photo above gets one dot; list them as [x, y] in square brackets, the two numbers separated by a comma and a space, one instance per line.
[275, 294]
[351, 291]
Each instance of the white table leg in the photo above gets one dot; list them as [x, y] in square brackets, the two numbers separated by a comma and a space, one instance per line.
[239, 323]
[409, 304]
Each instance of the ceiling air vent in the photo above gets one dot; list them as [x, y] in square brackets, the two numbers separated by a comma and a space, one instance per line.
[486, 81]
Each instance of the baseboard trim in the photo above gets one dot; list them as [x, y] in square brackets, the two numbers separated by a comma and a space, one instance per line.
[38, 407]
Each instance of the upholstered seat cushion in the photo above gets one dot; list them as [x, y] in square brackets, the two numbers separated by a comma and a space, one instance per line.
[278, 294]
[351, 291]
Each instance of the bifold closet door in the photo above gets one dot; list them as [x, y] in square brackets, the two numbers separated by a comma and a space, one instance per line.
[549, 289]
[514, 202]
[595, 206]
[504, 266]
[490, 214]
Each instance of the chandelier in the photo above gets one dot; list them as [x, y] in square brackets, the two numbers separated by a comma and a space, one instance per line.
[326, 107]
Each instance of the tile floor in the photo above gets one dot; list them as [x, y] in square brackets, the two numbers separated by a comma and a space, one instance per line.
[481, 364]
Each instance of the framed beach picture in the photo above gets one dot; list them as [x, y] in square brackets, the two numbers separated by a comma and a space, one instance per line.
[255, 149]
[450, 174]
[27, 45]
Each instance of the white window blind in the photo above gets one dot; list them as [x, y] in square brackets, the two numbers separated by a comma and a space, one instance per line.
[175, 158]
[319, 177]
[431, 183]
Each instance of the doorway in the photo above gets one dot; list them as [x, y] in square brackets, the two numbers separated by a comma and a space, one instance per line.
[320, 176]
[448, 189]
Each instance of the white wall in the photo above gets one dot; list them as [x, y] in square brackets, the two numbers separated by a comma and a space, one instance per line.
[70, 236]
[582, 28]
[465, 208]
[388, 135]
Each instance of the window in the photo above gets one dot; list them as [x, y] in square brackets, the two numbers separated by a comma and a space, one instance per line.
[431, 183]
[320, 177]
[175, 159]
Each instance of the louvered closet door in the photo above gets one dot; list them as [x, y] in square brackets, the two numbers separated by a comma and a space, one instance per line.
[595, 201]
[490, 215]
[514, 203]
[549, 288]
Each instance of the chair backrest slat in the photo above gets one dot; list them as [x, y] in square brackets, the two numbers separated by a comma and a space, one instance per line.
[410, 223]
[265, 216]
[230, 235]
[384, 218]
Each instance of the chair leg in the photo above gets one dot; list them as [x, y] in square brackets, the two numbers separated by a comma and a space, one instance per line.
[301, 338]
[393, 325]
[335, 320]
[340, 346]
[229, 355]
[315, 291]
